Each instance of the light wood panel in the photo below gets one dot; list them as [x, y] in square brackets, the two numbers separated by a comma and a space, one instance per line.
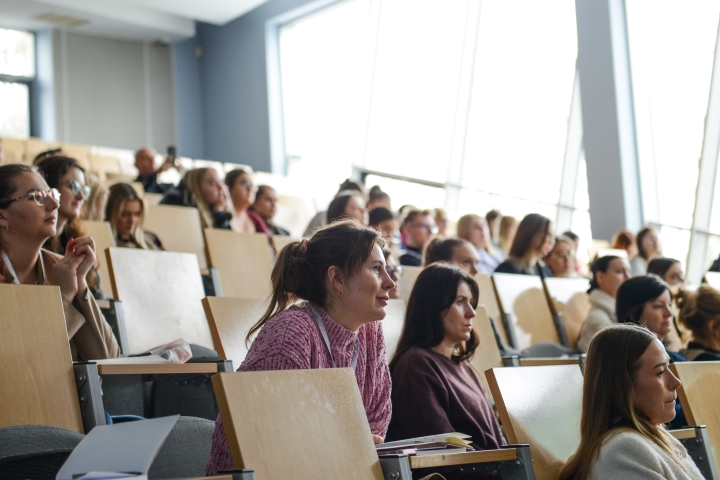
[523, 297]
[230, 319]
[155, 368]
[489, 300]
[407, 282]
[102, 234]
[152, 198]
[162, 294]
[698, 395]
[104, 166]
[487, 354]
[34, 145]
[280, 241]
[81, 153]
[243, 261]
[13, 150]
[37, 383]
[299, 424]
[540, 406]
[450, 459]
[569, 297]
[179, 229]
[392, 325]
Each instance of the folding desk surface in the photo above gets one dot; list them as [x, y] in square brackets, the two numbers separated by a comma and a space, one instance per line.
[178, 228]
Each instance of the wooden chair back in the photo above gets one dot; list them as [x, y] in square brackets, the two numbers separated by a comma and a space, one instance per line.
[393, 325]
[540, 406]
[161, 294]
[280, 241]
[37, 383]
[13, 150]
[102, 234]
[489, 300]
[81, 153]
[698, 396]
[152, 198]
[299, 424]
[487, 354]
[243, 261]
[178, 228]
[104, 166]
[569, 297]
[230, 319]
[407, 282]
[34, 146]
[294, 213]
[523, 298]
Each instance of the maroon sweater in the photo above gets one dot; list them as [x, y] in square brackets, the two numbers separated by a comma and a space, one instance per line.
[432, 394]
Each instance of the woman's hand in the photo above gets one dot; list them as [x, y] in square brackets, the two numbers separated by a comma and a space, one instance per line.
[378, 439]
[71, 272]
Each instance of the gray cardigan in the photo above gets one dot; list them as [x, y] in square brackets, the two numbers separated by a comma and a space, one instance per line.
[631, 456]
[601, 315]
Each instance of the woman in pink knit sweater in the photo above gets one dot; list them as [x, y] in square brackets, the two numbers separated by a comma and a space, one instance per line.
[340, 274]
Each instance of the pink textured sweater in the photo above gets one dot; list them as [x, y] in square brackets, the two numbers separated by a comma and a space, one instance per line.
[291, 340]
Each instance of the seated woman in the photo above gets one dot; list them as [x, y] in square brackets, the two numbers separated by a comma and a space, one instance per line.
[265, 205]
[628, 394]
[380, 218]
[624, 240]
[341, 276]
[94, 207]
[201, 188]
[68, 177]
[533, 240]
[453, 250]
[242, 195]
[649, 247]
[669, 269]
[28, 217]
[350, 204]
[700, 313]
[474, 229]
[435, 390]
[506, 233]
[125, 212]
[561, 258]
[608, 273]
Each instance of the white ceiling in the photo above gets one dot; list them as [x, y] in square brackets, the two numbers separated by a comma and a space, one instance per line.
[167, 20]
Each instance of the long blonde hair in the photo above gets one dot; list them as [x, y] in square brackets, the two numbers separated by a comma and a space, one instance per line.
[120, 194]
[463, 231]
[609, 404]
[193, 195]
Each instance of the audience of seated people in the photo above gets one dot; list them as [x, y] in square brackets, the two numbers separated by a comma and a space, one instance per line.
[265, 205]
[203, 189]
[506, 233]
[340, 275]
[474, 229]
[533, 240]
[417, 228]
[561, 259]
[242, 195]
[125, 212]
[148, 173]
[349, 204]
[648, 247]
[608, 273]
[29, 213]
[629, 393]
[700, 313]
[431, 363]
[668, 269]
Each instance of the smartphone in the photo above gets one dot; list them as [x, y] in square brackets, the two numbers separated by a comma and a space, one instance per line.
[171, 151]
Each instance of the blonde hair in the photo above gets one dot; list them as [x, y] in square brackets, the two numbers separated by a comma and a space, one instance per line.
[698, 309]
[463, 230]
[193, 195]
[120, 194]
[505, 239]
[93, 207]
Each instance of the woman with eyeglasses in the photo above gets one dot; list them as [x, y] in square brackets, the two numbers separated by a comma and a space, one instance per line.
[201, 188]
[68, 177]
[28, 218]
[242, 194]
[561, 259]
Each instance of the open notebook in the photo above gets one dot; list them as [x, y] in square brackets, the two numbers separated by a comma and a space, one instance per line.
[457, 442]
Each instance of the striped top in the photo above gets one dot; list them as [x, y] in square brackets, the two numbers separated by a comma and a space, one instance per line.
[291, 340]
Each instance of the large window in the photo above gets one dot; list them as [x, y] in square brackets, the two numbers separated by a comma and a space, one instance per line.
[464, 105]
[17, 69]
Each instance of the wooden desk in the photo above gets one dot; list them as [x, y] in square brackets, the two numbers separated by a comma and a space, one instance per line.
[178, 228]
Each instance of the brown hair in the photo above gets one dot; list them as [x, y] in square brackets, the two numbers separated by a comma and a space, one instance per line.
[698, 309]
[300, 271]
[529, 227]
[463, 230]
[442, 250]
[639, 241]
[413, 214]
[609, 404]
[622, 239]
[506, 223]
[120, 194]
[193, 196]
[93, 206]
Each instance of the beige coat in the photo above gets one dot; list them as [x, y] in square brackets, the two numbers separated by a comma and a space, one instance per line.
[90, 336]
[601, 315]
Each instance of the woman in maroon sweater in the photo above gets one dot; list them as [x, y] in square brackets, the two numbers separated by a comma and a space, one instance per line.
[434, 389]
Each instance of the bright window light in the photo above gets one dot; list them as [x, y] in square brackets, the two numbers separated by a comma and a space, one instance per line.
[17, 53]
[15, 111]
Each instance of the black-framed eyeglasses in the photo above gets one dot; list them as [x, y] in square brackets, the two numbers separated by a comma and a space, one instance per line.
[77, 188]
[38, 195]
[394, 272]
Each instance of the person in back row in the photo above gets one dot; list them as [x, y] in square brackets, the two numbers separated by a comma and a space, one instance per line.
[378, 198]
[242, 195]
[649, 247]
[382, 219]
[417, 229]
[506, 234]
[340, 275]
[350, 204]
[474, 229]
[28, 217]
[265, 205]
[147, 173]
[533, 240]
[669, 269]
[608, 273]
[629, 392]
[320, 218]
[561, 258]
[201, 188]
[700, 313]
[435, 390]
[125, 212]
[452, 250]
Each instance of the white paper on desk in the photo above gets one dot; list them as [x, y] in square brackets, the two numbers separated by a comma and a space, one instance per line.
[111, 476]
[129, 447]
[154, 359]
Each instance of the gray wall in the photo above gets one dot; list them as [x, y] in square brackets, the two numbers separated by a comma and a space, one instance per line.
[188, 99]
[113, 93]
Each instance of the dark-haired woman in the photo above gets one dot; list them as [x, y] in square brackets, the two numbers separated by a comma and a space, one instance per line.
[649, 247]
[629, 392]
[68, 177]
[350, 204]
[242, 195]
[452, 250]
[28, 217]
[434, 388]
[608, 273]
[265, 205]
[340, 274]
[700, 313]
[669, 269]
[533, 240]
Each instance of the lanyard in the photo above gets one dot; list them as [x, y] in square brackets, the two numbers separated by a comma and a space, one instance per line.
[323, 332]
[10, 268]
